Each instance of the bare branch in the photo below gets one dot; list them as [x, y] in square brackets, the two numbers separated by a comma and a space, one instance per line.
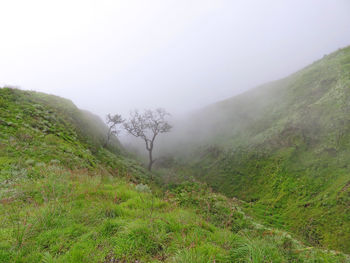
[147, 126]
[113, 121]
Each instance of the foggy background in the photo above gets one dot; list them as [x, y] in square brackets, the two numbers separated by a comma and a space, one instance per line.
[113, 56]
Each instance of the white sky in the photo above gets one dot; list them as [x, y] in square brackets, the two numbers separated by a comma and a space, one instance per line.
[113, 56]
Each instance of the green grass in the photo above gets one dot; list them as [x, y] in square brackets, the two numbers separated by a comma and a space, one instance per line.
[65, 198]
[284, 148]
[72, 216]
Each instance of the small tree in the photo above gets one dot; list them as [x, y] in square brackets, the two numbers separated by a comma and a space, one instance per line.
[147, 126]
[113, 121]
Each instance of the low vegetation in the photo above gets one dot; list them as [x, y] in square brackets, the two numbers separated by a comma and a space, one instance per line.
[66, 198]
[284, 149]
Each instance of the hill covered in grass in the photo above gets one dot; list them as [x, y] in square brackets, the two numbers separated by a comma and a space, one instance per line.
[284, 147]
[65, 198]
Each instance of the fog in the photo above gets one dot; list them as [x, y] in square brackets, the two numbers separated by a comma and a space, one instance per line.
[113, 56]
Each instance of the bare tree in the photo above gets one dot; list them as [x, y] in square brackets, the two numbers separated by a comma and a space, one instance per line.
[147, 126]
[113, 121]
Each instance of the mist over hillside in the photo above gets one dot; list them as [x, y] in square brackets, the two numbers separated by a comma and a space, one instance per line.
[115, 56]
[67, 197]
[283, 146]
[280, 150]
[176, 131]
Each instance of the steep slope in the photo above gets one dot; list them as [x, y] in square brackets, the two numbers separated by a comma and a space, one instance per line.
[64, 198]
[285, 148]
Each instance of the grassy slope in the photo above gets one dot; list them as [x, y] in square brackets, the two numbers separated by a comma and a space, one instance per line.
[285, 147]
[64, 198]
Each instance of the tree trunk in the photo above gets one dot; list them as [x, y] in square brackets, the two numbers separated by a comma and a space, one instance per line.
[150, 160]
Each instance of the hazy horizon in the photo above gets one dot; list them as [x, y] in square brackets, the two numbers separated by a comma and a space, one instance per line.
[115, 56]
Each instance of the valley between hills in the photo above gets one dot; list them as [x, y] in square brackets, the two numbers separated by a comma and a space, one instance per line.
[260, 177]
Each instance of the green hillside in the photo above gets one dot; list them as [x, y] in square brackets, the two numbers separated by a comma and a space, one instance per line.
[283, 147]
[65, 198]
